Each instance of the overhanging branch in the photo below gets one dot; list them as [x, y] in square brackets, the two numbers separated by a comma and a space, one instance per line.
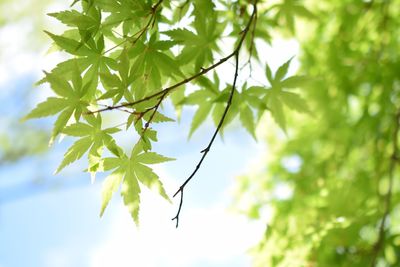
[162, 94]
[221, 121]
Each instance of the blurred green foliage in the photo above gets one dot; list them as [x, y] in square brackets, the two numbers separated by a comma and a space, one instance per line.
[14, 11]
[330, 193]
[19, 140]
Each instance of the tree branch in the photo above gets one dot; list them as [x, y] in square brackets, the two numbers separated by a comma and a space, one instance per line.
[251, 48]
[161, 95]
[228, 105]
[164, 92]
[207, 149]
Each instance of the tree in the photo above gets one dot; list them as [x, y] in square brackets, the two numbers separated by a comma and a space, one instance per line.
[133, 56]
[338, 167]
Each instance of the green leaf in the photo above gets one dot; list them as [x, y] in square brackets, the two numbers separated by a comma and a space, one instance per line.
[75, 152]
[133, 170]
[69, 45]
[78, 129]
[247, 119]
[158, 117]
[167, 65]
[199, 117]
[59, 85]
[147, 177]
[256, 90]
[164, 45]
[94, 137]
[124, 65]
[131, 194]
[112, 130]
[51, 106]
[304, 12]
[112, 163]
[60, 123]
[196, 98]
[294, 101]
[268, 73]
[110, 80]
[74, 18]
[183, 35]
[95, 163]
[112, 146]
[295, 82]
[282, 70]
[276, 108]
[152, 158]
[77, 80]
[217, 112]
[110, 186]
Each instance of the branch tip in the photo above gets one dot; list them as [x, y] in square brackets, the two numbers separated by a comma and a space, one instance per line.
[205, 151]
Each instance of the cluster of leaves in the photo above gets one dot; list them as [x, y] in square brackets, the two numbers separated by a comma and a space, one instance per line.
[131, 56]
[331, 194]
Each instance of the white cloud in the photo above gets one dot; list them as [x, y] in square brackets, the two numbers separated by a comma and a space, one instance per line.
[206, 236]
[57, 258]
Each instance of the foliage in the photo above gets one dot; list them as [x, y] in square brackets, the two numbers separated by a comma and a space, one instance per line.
[332, 191]
[131, 56]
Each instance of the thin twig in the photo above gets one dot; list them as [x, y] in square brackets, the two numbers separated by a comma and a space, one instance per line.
[121, 109]
[167, 90]
[181, 8]
[251, 48]
[154, 108]
[219, 126]
[139, 33]
[207, 149]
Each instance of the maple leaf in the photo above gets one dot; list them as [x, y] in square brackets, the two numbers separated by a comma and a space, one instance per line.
[131, 172]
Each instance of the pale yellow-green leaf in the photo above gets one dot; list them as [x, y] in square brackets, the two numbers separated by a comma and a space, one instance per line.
[147, 177]
[152, 158]
[277, 113]
[78, 129]
[110, 186]
[60, 123]
[282, 70]
[131, 194]
[75, 152]
[294, 101]
[199, 117]
[247, 119]
[51, 106]
[59, 85]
